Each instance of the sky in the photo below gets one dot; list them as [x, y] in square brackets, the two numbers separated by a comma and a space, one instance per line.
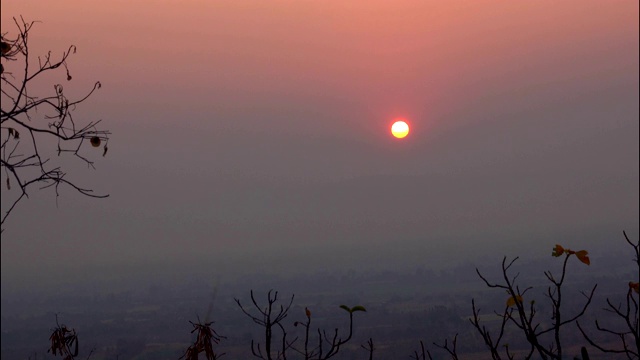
[254, 135]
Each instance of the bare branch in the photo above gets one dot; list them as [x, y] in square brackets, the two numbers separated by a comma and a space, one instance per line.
[20, 115]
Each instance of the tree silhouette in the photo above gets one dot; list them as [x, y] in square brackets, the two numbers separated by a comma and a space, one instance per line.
[205, 337]
[522, 314]
[328, 344]
[63, 341]
[269, 318]
[543, 338]
[31, 121]
[272, 315]
[628, 330]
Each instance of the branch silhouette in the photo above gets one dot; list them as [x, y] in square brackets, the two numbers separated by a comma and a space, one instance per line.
[28, 121]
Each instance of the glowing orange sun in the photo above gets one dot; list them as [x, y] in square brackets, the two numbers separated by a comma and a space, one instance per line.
[400, 129]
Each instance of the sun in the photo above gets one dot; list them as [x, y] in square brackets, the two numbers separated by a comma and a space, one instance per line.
[400, 129]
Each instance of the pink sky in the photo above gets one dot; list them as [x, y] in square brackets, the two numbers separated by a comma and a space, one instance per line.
[239, 121]
[419, 59]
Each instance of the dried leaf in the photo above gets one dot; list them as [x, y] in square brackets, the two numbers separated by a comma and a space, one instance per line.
[583, 256]
[307, 312]
[557, 251]
[635, 286]
[105, 150]
[8, 184]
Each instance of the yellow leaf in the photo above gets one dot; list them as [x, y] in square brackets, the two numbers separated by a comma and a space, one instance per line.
[511, 301]
[557, 251]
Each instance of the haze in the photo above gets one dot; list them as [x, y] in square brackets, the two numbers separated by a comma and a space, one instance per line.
[253, 136]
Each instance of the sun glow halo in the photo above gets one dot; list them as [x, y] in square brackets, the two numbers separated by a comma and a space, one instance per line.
[400, 129]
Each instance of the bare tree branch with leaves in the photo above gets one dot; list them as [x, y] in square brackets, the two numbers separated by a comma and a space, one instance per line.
[543, 340]
[328, 345]
[628, 332]
[28, 120]
[206, 336]
[64, 342]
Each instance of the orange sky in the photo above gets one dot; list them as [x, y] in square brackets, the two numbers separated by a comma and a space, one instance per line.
[413, 58]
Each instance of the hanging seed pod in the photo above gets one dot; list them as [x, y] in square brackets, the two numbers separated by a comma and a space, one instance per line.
[95, 141]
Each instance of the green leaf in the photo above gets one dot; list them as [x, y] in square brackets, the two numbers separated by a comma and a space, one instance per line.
[345, 307]
[358, 308]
